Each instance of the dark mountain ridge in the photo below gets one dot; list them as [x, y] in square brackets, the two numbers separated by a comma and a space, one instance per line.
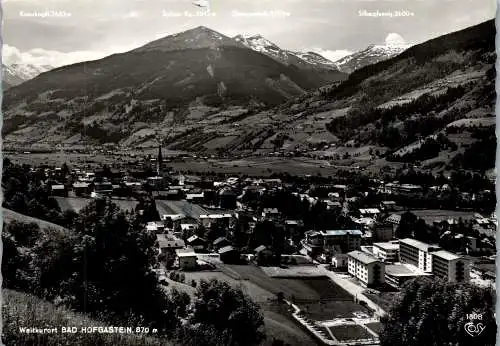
[142, 86]
[480, 37]
[175, 69]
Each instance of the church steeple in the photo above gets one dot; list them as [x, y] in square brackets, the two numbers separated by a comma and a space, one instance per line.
[159, 162]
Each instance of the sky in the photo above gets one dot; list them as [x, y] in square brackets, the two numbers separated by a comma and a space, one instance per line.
[61, 32]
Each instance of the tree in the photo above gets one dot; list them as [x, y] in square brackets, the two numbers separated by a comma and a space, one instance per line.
[68, 218]
[181, 301]
[64, 170]
[169, 260]
[25, 234]
[11, 262]
[24, 193]
[104, 266]
[222, 311]
[421, 232]
[406, 225]
[266, 258]
[149, 211]
[433, 312]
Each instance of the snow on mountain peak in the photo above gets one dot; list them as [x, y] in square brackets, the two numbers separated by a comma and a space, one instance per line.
[17, 73]
[28, 71]
[256, 42]
[372, 54]
[314, 58]
[23, 72]
[262, 45]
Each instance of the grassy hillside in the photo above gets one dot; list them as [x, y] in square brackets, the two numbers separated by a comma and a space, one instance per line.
[9, 216]
[24, 310]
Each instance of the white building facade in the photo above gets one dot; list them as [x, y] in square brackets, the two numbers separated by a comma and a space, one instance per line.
[369, 270]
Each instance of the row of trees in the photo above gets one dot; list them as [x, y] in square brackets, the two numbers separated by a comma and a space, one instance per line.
[366, 112]
[103, 133]
[429, 149]
[481, 155]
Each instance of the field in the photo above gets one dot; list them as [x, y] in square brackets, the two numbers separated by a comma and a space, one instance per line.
[431, 215]
[58, 157]
[258, 166]
[252, 166]
[265, 166]
[350, 332]
[179, 207]
[258, 294]
[78, 203]
[319, 297]
[277, 322]
[280, 326]
[304, 270]
[375, 327]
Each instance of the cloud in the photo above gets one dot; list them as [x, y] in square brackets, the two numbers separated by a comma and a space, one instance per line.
[40, 56]
[11, 55]
[332, 55]
[131, 14]
[394, 39]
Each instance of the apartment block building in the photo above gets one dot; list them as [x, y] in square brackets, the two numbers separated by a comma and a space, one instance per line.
[333, 241]
[369, 270]
[432, 259]
[417, 253]
[387, 251]
[450, 266]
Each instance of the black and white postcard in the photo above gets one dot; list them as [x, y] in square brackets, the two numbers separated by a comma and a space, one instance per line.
[248, 172]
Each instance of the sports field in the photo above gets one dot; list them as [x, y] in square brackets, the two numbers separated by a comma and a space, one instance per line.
[350, 332]
[318, 297]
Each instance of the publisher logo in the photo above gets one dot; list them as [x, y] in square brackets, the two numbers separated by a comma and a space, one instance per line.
[474, 327]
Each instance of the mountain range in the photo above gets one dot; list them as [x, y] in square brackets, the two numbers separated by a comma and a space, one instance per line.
[202, 91]
[303, 59]
[369, 56]
[15, 74]
[197, 69]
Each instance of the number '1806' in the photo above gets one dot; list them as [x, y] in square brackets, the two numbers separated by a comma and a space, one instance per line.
[474, 316]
